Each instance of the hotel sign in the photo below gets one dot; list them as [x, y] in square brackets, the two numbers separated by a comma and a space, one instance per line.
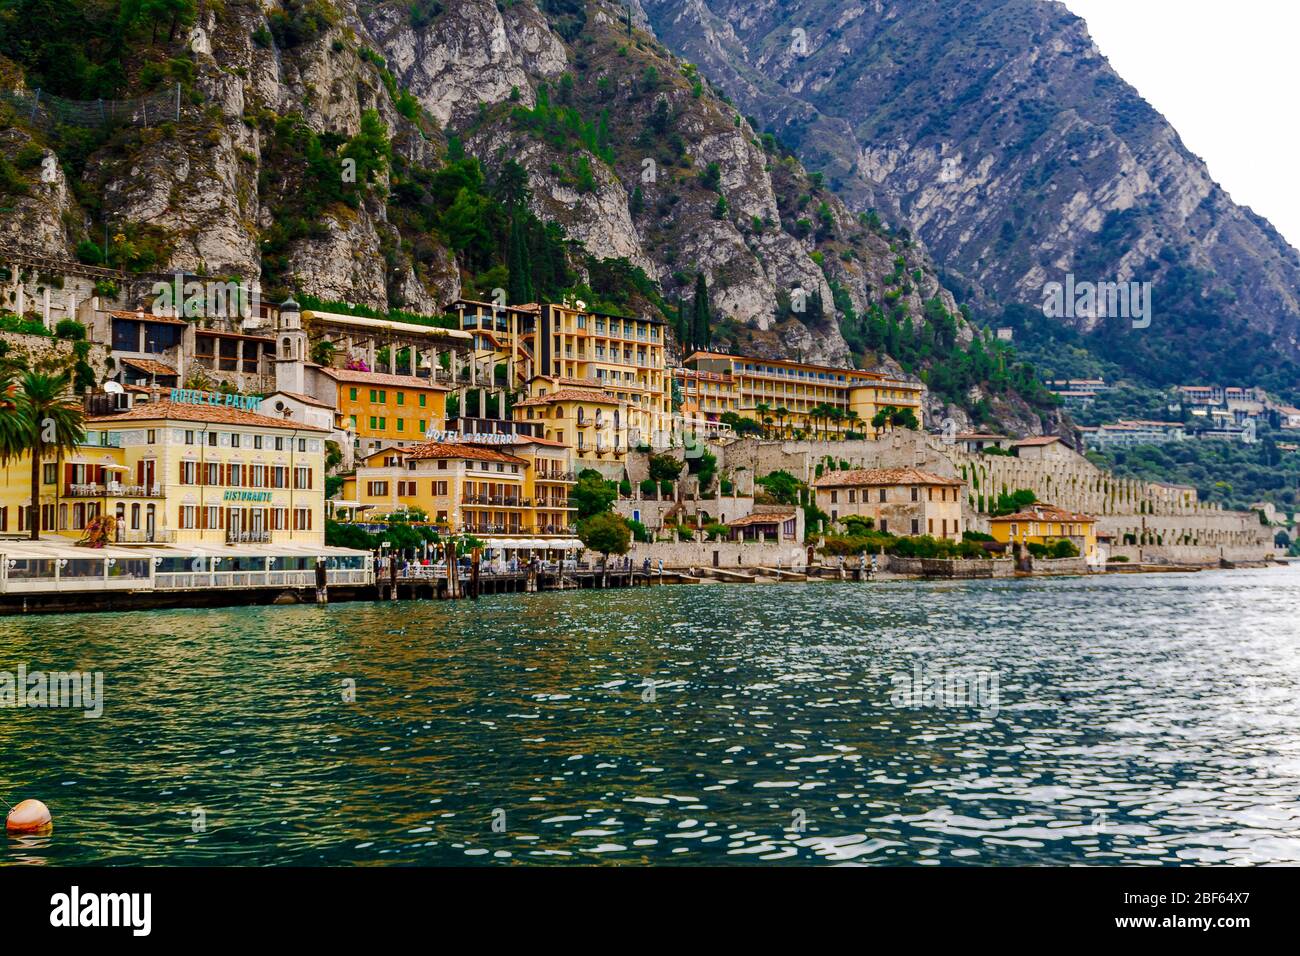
[190, 396]
[232, 495]
[472, 438]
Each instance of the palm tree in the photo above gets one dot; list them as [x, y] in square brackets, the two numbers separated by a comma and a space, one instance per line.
[761, 409]
[782, 413]
[13, 420]
[54, 424]
[852, 418]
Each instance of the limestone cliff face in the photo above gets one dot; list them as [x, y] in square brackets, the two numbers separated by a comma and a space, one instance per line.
[1001, 136]
[639, 158]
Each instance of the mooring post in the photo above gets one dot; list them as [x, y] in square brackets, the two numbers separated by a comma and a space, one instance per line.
[322, 585]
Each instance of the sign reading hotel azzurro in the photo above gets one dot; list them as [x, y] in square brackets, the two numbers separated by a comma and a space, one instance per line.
[234, 495]
[190, 396]
[472, 438]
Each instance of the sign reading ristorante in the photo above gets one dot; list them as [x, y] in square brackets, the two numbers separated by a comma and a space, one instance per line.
[234, 495]
[191, 396]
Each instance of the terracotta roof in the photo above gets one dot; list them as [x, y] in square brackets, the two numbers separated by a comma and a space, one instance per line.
[305, 399]
[1042, 512]
[569, 395]
[763, 517]
[874, 477]
[1039, 440]
[382, 378]
[214, 414]
[143, 316]
[437, 449]
[150, 366]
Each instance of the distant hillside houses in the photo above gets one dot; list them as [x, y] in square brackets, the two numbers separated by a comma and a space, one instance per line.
[1077, 392]
[1129, 432]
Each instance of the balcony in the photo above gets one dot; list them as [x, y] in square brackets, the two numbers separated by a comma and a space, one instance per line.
[236, 536]
[494, 500]
[138, 536]
[564, 476]
[113, 490]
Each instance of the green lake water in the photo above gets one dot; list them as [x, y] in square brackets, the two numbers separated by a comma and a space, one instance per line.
[1137, 719]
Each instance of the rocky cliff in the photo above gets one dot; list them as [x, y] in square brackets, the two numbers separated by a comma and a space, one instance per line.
[1004, 139]
[363, 153]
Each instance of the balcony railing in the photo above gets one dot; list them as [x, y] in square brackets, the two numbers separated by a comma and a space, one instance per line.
[138, 536]
[235, 536]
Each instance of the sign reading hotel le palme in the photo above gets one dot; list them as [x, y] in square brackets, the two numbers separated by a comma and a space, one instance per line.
[190, 396]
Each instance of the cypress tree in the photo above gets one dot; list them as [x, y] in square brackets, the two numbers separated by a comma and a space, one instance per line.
[700, 326]
[519, 264]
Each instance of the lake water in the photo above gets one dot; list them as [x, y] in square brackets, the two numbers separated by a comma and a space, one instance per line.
[1137, 719]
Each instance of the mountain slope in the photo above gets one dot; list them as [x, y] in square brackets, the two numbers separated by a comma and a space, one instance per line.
[467, 125]
[1018, 155]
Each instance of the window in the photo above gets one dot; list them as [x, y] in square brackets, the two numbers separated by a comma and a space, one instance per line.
[916, 493]
[302, 477]
[439, 489]
[375, 488]
[442, 464]
[189, 436]
[422, 398]
[882, 494]
[352, 394]
[373, 396]
[835, 496]
[302, 444]
[401, 424]
[234, 440]
[257, 442]
[279, 443]
[49, 473]
[401, 398]
[212, 439]
[151, 436]
[189, 472]
[373, 421]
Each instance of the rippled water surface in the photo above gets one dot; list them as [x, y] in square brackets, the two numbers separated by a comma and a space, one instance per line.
[1147, 719]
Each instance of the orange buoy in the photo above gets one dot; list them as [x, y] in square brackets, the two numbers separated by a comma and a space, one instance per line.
[28, 817]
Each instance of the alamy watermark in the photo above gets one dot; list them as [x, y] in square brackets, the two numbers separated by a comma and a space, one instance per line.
[206, 299]
[1125, 300]
[946, 687]
[77, 690]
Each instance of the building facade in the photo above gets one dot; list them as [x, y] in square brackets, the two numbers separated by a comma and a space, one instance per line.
[900, 501]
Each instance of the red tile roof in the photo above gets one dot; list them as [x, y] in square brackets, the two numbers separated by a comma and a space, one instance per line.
[214, 414]
[570, 395]
[875, 477]
[1039, 440]
[382, 378]
[150, 366]
[762, 517]
[437, 449]
[1044, 512]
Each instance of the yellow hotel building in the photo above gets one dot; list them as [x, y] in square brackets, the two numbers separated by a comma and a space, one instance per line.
[553, 346]
[185, 474]
[519, 487]
[1043, 524]
[741, 383]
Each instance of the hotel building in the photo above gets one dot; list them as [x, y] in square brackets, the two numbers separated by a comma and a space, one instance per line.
[516, 486]
[172, 472]
[901, 501]
[551, 346]
[742, 383]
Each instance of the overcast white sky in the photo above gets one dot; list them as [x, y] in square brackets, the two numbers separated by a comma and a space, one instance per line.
[1223, 73]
